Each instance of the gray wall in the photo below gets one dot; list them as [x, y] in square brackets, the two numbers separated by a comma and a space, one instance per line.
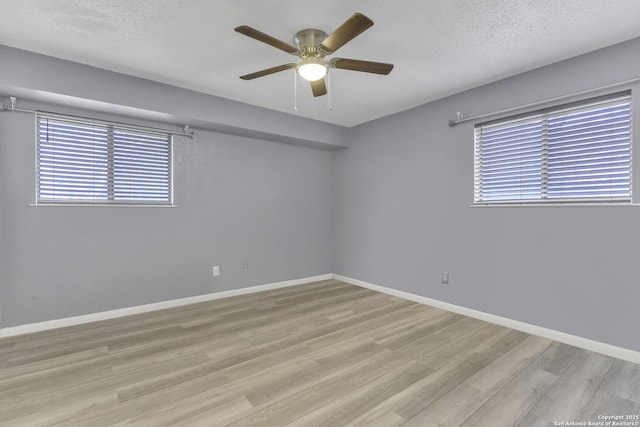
[402, 192]
[239, 199]
[392, 209]
[29, 75]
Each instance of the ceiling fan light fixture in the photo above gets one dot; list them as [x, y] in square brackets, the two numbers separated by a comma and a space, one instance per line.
[311, 46]
[312, 69]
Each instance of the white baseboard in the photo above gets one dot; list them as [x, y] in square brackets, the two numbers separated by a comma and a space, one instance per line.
[584, 343]
[111, 314]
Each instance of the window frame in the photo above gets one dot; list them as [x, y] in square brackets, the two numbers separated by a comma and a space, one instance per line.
[111, 128]
[545, 114]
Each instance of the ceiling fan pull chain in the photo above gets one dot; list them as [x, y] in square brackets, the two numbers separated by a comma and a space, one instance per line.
[295, 92]
[329, 106]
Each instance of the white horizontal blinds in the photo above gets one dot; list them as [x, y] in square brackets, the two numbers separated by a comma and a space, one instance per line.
[141, 166]
[576, 154]
[590, 153]
[84, 161]
[508, 161]
[72, 161]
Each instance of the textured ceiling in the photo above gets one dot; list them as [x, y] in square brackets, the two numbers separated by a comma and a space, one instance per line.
[439, 47]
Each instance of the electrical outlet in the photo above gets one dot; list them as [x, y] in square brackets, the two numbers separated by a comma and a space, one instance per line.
[445, 277]
[216, 270]
[246, 266]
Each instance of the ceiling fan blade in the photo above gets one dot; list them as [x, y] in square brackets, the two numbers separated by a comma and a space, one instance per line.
[267, 71]
[351, 28]
[266, 38]
[318, 87]
[365, 66]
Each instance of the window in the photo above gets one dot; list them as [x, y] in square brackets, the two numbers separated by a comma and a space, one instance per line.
[570, 154]
[87, 161]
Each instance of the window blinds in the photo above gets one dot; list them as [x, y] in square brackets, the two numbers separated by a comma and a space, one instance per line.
[93, 162]
[576, 154]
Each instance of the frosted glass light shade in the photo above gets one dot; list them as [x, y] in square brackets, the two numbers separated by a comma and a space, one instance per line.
[312, 69]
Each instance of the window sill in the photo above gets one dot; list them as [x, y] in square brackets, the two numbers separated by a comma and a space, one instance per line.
[101, 205]
[563, 205]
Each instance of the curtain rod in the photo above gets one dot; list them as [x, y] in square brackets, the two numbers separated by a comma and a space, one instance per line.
[461, 119]
[186, 129]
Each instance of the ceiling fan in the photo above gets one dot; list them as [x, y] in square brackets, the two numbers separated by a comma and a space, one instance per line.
[312, 46]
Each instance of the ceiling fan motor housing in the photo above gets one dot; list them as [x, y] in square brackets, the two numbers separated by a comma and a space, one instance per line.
[309, 38]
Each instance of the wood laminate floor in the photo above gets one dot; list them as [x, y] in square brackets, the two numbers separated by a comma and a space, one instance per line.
[321, 354]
